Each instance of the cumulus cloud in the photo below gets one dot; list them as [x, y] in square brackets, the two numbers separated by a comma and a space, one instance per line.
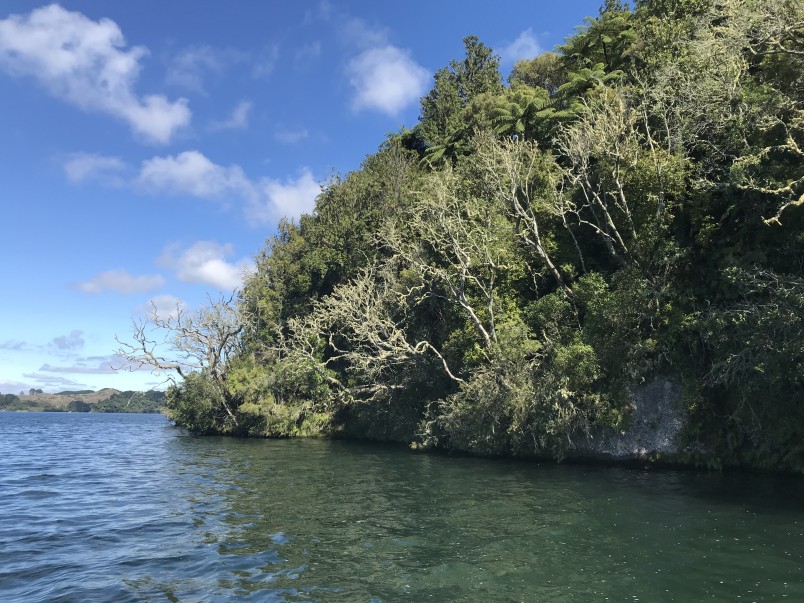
[165, 307]
[120, 281]
[526, 46]
[73, 341]
[80, 167]
[386, 79]
[237, 120]
[206, 263]
[266, 200]
[191, 173]
[86, 63]
[289, 198]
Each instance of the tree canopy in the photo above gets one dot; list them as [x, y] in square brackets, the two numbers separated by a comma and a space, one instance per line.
[497, 278]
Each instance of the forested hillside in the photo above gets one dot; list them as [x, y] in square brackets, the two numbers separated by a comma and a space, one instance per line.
[496, 278]
[104, 400]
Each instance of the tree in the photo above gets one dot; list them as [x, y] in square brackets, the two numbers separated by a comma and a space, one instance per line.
[606, 40]
[458, 243]
[8, 399]
[546, 71]
[527, 183]
[456, 86]
[181, 342]
[617, 187]
[78, 406]
[364, 329]
[521, 112]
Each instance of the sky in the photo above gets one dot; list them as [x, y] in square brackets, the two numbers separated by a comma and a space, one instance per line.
[150, 148]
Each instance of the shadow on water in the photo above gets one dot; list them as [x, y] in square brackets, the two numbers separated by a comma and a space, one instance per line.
[371, 522]
[133, 510]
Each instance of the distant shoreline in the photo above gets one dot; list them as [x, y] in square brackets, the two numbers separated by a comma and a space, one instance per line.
[104, 400]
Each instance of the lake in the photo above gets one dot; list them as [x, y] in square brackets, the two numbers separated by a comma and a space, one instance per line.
[97, 507]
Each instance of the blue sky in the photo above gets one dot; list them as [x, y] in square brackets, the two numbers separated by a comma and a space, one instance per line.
[150, 148]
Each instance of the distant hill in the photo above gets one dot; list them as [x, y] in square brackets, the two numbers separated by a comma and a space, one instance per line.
[104, 400]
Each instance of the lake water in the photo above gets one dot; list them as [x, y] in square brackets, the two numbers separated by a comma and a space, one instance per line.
[128, 508]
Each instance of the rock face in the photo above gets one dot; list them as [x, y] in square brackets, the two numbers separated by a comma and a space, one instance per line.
[653, 427]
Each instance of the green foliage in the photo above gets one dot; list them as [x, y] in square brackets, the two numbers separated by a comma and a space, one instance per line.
[197, 404]
[128, 401]
[132, 401]
[605, 41]
[522, 112]
[8, 400]
[750, 378]
[78, 406]
[446, 121]
[496, 279]
[546, 71]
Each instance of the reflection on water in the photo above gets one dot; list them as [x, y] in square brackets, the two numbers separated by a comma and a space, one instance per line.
[124, 507]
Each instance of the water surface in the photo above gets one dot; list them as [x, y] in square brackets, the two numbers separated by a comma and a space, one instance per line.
[127, 508]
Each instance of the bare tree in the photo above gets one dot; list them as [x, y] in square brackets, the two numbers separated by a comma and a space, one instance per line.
[181, 342]
[699, 106]
[364, 324]
[456, 242]
[529, 184]
[605, 131]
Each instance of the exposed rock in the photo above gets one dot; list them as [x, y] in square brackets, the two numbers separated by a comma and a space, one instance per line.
[653, 428]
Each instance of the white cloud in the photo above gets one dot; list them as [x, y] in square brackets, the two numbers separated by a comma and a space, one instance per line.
[289, 199]
[291, 136]
[205, 263]
[165, 306]
[238, 118]
[386, 79]
[191, 173]
[73, 341]
[85, 62]
[526, 46]
[120, 281]
[85, 166]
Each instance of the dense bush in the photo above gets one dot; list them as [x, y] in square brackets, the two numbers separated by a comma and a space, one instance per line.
[496, 278]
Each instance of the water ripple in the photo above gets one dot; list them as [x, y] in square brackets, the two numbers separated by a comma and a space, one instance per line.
[127, 508]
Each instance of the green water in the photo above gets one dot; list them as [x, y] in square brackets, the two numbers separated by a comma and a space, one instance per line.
[121, 508]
